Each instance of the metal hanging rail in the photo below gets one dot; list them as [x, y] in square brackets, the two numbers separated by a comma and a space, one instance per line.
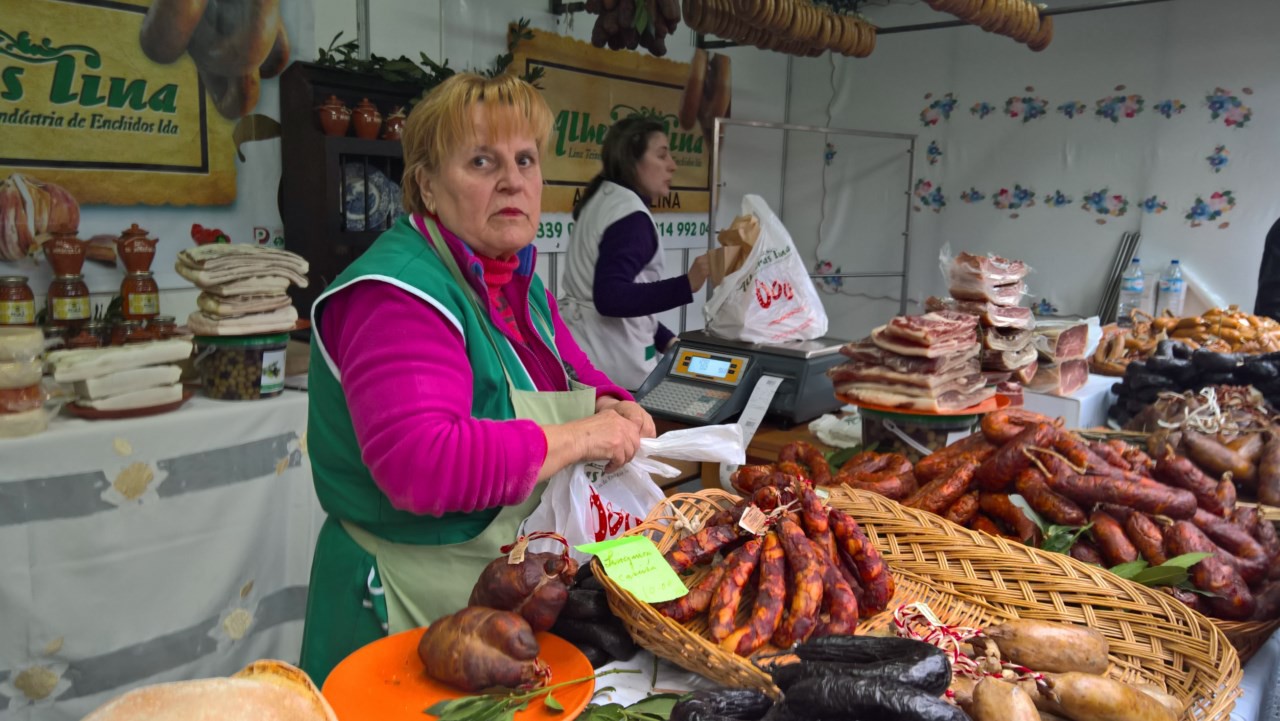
[702, 42]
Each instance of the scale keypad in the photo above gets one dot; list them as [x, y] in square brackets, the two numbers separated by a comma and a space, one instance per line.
[685, 399]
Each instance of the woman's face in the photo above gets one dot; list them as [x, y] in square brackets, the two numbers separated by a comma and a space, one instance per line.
[656, 167]
[490, 192]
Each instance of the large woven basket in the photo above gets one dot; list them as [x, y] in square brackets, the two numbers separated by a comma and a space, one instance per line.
[967, 579]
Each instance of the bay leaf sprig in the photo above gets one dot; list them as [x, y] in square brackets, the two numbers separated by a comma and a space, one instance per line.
[502, 706]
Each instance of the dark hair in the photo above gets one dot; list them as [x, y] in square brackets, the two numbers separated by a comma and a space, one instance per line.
[624, 146]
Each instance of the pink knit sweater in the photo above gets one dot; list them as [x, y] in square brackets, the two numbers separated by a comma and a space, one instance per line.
[408, 388]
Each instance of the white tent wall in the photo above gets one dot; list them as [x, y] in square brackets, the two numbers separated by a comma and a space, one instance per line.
[1180, 50]
[470, 33]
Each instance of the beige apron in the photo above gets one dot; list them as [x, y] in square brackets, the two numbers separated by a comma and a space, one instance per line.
[423, 583]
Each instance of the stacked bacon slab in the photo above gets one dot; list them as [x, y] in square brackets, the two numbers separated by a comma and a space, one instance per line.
[1139, 507]
[991, 288]
[814, 571]
[925, 363]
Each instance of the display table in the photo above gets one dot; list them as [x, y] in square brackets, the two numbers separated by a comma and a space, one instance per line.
[153, 549]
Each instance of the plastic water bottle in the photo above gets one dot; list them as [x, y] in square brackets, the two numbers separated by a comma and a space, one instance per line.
[1132, 285]
[1173, 290]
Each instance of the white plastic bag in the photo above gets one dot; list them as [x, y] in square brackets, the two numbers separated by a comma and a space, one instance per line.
[585, 505]
[771, 298]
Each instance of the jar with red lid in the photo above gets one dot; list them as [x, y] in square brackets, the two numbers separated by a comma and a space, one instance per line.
[163, 327]
[139, 296]
[68, 300]
[85, 338]
[17, 302]
[129, 331]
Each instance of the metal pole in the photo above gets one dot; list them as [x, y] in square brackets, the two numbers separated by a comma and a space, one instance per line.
[715, 194]
[684, 309]
[786, 118]
[906, 229]
[362, 28]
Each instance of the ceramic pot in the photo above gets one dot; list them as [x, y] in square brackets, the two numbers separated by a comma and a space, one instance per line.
[135, 249]
[394, 124]
[335, 118]
[65, 253]
[367, 119]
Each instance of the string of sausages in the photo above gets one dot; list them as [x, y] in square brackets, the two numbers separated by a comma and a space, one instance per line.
[907, 618]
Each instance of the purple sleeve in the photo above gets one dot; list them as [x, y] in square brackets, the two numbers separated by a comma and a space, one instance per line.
[625, 250]
[407, 383]
[662, 337]
[572, 355]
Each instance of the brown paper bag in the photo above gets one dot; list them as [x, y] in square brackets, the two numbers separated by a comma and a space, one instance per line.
[743, 231]
[725, 261]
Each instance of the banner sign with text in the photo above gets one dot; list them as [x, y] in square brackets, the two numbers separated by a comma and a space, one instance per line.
[589, 89]
[83, 107]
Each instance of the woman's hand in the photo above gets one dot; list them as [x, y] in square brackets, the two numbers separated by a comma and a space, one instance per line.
[630, 410]
[699, 271]
[607, 435]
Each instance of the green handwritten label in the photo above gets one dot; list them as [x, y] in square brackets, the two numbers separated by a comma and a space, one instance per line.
[634, 563]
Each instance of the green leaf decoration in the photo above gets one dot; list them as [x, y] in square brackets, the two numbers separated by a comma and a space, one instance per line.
[841, 456]
[552, 703]
[1163, 575]
[659, 705]
[1129, 570]
[1060, 539]
[1186, 560]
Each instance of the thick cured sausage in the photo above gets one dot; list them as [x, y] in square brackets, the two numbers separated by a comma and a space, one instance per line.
[1246, 554]
[817, 521]
[1191, 600]
[889, 485]
[838, 601]
[870, 569]
[963, 510]
[941, 492]
[1084, 550]
[1146, 537]
[738, 566]
[1143, 495]
[1181, 472]
[1001, 508]
[808, 455]
[1053, 506]
[998, 471]
[801, 615]
[697, 600]
[771, 596]
[1217, 459]
[700, 547]
[748, 478]
[1110, 454]
[1231, 598]
[1115, 546]
[935, 464]
[984, 524]
[1269, 471]
[1003, 425]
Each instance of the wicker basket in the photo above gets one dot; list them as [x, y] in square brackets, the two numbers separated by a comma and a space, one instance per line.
[971, 579]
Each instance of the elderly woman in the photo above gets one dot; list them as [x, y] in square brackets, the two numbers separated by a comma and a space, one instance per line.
[444, 387]
[613, 276]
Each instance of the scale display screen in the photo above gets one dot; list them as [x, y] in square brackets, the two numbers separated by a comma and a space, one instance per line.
[701, 365]
[709, 367]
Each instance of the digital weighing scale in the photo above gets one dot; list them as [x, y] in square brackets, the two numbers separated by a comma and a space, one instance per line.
[706, 380]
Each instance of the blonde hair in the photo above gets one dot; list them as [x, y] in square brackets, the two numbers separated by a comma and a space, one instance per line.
[443, 122]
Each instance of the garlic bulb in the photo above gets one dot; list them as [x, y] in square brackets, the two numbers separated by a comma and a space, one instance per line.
[31, 210]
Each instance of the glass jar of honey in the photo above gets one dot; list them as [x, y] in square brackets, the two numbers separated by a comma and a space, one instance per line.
[17, 302]
[139, 296]
[68, 300]
[129, 331]
[98, 329]
[85, 338]
[163, 327]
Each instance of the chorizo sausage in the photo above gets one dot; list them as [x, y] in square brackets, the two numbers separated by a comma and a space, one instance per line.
[1003, 425]
[1143, 495]
[1226, 495]
[866, 461]
[839, 602]
[998, 471]
[1181, 472]
[1268, 602]
[749, 478]
[1111, 539]
[1138, 460]
[801, 615]
[771, 595]
[963, 510]
[817, 521]
[699, 547]
[1189, 599]
[723, 611]
[767, 498]
[808, 455]
[1242, 551]
[1269, 471]
[943, 461]
[1108, 453]
[1231, 598]
[1053, 506]
[1001, 508]
[1217, 459]
[941, 492]
[1084, 550]
[1247, 518]
[697, 600]
[1147, 537]
[983, 523]
[889, 485]
[870, 569]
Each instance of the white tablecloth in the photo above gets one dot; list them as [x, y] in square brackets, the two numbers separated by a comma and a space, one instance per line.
[154, 549]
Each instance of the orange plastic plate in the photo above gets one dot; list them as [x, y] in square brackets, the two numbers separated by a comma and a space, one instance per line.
[994, 403]
[385, 681]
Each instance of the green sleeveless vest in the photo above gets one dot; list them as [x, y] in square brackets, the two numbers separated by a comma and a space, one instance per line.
[346, 489]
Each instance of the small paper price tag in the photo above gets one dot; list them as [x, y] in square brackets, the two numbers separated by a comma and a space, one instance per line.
[634, 563]
[516, 556]
[929, 614]
[753, 520]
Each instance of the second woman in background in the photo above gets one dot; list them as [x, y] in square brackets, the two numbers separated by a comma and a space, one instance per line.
[613, 275]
